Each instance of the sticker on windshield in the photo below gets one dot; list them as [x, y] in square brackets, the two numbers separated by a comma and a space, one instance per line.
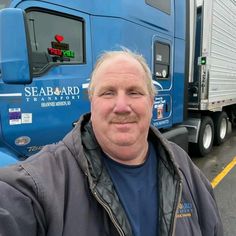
[60, 50]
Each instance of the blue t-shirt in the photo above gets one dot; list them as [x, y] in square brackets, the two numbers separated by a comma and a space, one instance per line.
[137, 188]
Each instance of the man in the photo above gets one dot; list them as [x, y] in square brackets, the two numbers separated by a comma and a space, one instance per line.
[113, 174]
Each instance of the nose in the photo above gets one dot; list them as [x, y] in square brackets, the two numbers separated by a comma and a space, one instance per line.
[122, 104]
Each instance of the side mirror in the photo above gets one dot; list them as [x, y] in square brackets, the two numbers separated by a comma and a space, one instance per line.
[15, 49]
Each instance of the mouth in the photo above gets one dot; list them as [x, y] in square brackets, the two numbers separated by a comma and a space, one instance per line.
[123, 127]
[123, 122]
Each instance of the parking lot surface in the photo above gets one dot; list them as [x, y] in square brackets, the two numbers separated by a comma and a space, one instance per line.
[220, 168]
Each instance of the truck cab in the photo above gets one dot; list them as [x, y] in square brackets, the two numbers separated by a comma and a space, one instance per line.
[49, 48]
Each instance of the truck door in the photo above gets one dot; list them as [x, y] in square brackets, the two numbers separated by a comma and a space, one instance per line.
[42, 112]
[163, 81]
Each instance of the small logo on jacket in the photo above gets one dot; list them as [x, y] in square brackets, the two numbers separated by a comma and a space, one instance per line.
[185, 209]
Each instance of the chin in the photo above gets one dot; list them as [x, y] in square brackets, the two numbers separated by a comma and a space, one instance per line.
[124, 143]
[124, 138]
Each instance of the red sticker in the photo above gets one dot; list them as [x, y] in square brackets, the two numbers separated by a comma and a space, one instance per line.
[59, 38]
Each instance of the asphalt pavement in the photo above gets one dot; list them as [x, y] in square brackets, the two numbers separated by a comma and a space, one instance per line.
[225, 193]
[220, 165]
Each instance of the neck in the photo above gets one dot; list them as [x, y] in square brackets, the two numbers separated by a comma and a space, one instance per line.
[128, 155]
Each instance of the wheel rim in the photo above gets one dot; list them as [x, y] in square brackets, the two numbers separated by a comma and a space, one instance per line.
[223, 128]
[207, 137]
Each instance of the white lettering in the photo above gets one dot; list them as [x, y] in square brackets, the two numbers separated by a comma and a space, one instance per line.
[48, 96]
[27, 92]
[34, 91]
[42, 92]
[63, 91]
[49, 91]
[70, 91]
[75, 91]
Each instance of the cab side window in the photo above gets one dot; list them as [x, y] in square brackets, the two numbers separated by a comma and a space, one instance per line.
[55, 39]
[163, 5]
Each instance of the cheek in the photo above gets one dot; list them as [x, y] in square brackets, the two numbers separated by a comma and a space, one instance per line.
[94, 111]
[145, 108]
[147, 112]
[100, 108]
[150, 106]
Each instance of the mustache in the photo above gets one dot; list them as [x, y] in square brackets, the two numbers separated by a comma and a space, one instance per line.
[124, 119]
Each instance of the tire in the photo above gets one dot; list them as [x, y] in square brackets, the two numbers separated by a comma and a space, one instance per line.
[206, 136]
[221, 127]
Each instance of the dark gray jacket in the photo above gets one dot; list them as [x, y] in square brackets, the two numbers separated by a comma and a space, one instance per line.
[65, 190]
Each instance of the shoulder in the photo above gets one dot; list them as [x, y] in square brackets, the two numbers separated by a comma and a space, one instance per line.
[38, 169]
[193, 178]
[181, 157]
[185, 163]
[172, 152]
[49, 159]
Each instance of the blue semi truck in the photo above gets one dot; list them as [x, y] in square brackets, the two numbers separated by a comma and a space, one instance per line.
[48, 50]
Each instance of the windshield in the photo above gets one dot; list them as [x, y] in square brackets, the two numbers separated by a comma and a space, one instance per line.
[54, 39]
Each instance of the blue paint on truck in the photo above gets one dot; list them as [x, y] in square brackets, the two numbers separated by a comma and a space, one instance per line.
[49, 48]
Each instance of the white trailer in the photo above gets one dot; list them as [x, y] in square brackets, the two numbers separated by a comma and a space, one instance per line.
[212, 84]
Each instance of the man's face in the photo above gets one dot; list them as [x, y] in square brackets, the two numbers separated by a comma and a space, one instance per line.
[121, 106]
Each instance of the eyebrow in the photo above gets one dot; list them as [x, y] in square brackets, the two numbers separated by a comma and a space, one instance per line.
[103, 89]
[112, 88]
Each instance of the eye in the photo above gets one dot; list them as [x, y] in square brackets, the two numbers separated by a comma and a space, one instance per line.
[135, 93]
[108, 93]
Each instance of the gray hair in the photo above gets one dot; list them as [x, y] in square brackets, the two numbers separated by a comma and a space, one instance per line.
[124, 51]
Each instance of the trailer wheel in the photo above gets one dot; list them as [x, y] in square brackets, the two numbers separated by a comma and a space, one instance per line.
[221, 127]
[206, 136]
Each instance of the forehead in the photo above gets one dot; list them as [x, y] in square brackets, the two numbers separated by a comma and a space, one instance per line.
[119, 66]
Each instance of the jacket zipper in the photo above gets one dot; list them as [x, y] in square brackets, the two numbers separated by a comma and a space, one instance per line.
[178, 201]
[108, 210]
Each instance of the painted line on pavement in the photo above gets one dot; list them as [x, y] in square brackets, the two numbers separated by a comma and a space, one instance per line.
[223, 173]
